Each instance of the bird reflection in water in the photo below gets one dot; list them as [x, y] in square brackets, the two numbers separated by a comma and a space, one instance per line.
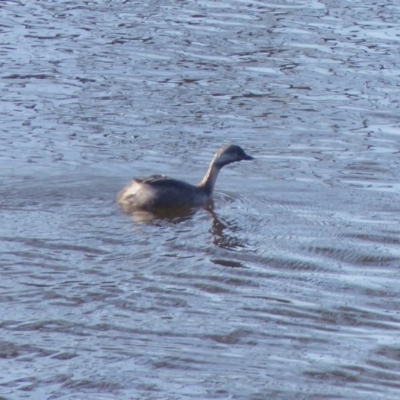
[221, 231]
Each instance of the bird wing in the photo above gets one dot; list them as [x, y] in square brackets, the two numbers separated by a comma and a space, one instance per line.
[163, 181]
[153, 179]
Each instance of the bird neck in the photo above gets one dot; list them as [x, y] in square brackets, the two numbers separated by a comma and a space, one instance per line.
[208, 182]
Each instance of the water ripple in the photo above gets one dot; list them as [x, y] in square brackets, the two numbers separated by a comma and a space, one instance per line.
[290, 273]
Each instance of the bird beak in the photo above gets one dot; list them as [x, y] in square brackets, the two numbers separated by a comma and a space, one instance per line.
[247, 157]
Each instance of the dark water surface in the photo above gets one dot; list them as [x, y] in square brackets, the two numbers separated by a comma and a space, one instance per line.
[287, 286]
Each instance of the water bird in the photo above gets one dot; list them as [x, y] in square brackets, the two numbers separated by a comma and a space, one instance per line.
[160, 191]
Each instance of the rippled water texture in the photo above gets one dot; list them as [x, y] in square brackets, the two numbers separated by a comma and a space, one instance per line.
[287, 286]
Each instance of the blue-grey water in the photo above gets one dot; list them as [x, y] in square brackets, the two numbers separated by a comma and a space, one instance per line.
[287, 286]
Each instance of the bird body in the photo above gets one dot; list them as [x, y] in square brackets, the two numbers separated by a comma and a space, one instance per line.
[159, 191]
